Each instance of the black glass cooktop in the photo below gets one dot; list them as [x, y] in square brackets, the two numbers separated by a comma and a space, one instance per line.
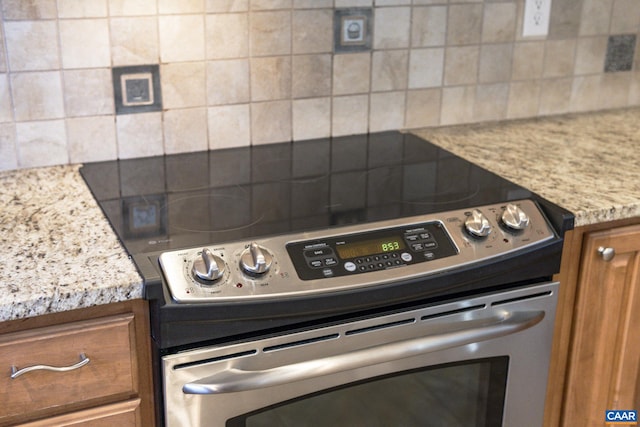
[175, 201]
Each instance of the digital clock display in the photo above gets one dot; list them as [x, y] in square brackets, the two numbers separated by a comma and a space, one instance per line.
[369, 247]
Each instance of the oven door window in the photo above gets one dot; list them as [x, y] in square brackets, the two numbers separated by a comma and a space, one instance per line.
[460, 394]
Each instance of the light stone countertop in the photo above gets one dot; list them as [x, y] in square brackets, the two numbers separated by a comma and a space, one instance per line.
[588, 163]
[57, 250]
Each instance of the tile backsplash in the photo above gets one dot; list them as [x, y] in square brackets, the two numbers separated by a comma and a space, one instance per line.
[240, 72]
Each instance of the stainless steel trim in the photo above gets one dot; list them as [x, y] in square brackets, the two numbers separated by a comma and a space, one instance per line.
[281, 280]
[15, 372]
[452, 335]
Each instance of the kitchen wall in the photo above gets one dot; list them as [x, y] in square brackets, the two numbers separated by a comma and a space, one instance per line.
[240, 72]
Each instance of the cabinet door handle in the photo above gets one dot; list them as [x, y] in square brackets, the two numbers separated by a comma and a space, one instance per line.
[607, 254]
[15, 372]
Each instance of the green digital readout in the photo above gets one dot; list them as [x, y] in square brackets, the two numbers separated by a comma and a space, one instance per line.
[369, 247]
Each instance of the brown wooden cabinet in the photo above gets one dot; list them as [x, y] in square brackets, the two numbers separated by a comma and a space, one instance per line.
[596, 356]
[112, 387]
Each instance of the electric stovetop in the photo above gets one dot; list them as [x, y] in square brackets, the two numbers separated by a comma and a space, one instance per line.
[183, 200]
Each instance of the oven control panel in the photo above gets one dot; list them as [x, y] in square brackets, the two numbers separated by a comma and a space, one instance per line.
[371, 251]
[352, 256]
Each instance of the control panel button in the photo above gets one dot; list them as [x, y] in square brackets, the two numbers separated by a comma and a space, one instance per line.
[208, 267]
[514, 218]
[349, 266]
[477, 224]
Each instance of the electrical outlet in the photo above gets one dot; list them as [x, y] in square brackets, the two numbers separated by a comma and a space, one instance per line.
[136, 89]
[536, 18]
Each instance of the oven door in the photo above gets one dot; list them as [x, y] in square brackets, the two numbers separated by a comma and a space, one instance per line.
[482, 361]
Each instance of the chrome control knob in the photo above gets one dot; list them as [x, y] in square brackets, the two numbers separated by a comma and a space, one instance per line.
[255, 260]
[477, 224]
[208, 267]
[514, 218]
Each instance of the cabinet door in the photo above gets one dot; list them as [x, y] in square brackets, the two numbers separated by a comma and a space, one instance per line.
[604, 365]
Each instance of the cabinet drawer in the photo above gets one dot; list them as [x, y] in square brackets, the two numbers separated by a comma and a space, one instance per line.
[124, 414]
[109, 375]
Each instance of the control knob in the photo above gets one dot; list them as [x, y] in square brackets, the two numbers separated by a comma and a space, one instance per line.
[255, 260]
[477, 224]
[514, 218]
[208, 267]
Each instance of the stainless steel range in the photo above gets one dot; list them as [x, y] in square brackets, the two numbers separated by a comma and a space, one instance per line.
[365, 280]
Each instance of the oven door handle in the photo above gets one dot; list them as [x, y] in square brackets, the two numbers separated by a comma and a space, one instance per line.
[455, 334]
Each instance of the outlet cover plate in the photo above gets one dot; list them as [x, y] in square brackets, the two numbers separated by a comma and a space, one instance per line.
[136, 89]
[352, 30]
[537, 14]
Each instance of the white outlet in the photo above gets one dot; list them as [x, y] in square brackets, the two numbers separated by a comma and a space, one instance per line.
[536, 18]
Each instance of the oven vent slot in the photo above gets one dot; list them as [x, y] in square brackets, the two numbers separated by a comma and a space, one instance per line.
[522, 298]
[299, 343]
[381, 326]
[215, 359]
[456, 311]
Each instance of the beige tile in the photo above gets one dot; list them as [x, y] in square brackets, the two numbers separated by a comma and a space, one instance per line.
[523, 99]
[461, 65]
[457, 105]
[83, 132]
[392, 2]
[139, 135]
[389, 70]
[312, 31]
[351, 73]
[616, 86]
[311, 118]
[181, 38]
[555, 96]
[559, 58]
[423, 108]
[8, 150]
[84, 43]
[229, 126]
[132, 7]
[564, 21]
[269, 4]
[585, 93]
[625, 17]
[28, 9]
[82, 8]
[426, 2]
[426, 67]
[3, 57]
[270, 122]
[387, 111]
[227, 35]
[311, 76]
[464, 24]
[32, 45]
[499, 23]
[270, 78]
[528, 60]
[41, 143]
[350, 115]
[491, 102]
[495, 63]
[183, 85]
[634, 91]
[172, 7]
[270, 33]
[391, 26]
[228, 82]
[590, 55]
[39, 95]
[88, 92]
[6, 112]
[353, 3]
[134, 41]
[221, 6]
[595, 17]
[185, 130]
[312, 4]
[429, 26]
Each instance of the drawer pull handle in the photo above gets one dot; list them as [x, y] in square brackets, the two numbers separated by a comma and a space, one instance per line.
[15, 372]
[607, 254]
